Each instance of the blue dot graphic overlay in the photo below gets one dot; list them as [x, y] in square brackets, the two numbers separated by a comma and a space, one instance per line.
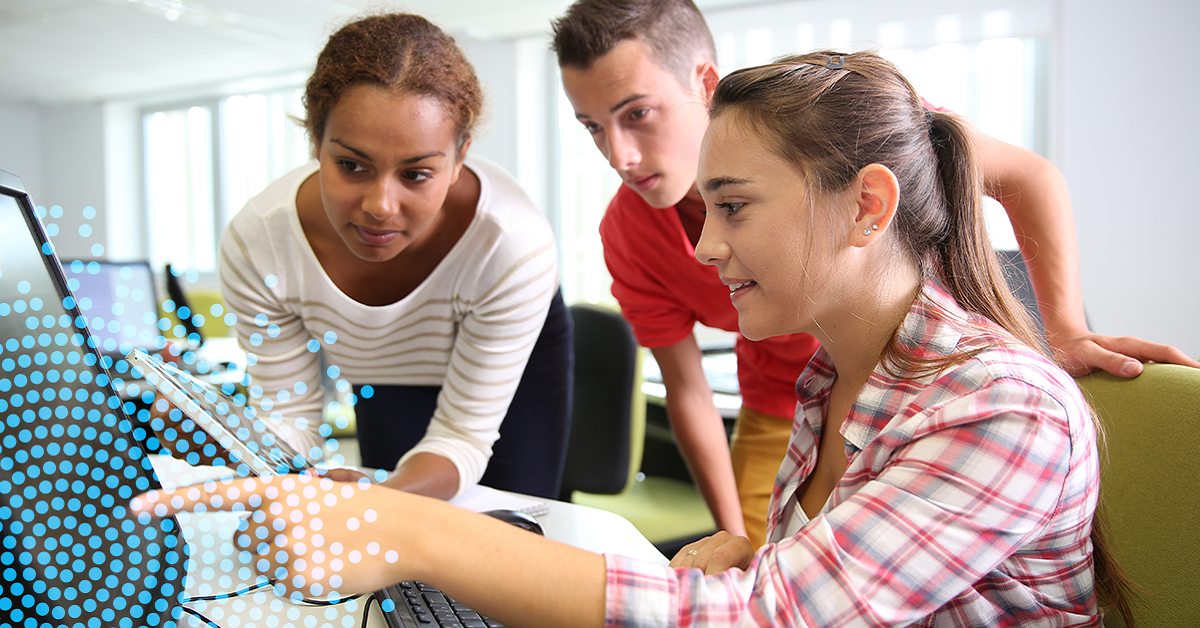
[74, 443]
[71, 553]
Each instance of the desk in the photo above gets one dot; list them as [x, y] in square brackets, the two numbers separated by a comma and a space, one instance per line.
[722, 365]
[215, 568]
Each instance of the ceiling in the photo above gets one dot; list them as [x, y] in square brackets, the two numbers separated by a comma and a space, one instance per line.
[71, 51]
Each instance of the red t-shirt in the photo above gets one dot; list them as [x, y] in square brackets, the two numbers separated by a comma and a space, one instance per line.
[663, 291]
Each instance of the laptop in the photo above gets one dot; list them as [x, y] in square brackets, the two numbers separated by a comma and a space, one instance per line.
[251, 444]
[71, 553]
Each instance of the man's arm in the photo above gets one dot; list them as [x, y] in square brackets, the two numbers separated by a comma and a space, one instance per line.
[700, 430]
[1034, 193]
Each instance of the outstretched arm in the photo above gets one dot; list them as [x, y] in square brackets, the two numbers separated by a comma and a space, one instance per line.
[321, 537]
[700, 430]
[1034, 193]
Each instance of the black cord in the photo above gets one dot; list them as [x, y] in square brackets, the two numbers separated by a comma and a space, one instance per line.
[260, 585]
[367, 608]
[222, 596]
[330, 602]
[188, 609]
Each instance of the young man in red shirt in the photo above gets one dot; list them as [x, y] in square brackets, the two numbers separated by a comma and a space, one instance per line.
[639, 74]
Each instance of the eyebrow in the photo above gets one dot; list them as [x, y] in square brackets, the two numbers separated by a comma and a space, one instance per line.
[411, 160]
[716, 183]
[616, 107]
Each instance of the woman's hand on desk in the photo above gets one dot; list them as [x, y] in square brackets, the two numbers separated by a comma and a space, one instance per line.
[424, 474]
[342, 474]
[716, 553]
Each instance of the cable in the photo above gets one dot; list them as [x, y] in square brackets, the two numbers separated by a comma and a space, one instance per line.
[222, 596]
[188, 609]
[367, 608]
[260, 585]
[330, 602]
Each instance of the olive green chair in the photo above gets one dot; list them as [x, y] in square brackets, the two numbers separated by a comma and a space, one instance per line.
[608, 427]
[1150, 484]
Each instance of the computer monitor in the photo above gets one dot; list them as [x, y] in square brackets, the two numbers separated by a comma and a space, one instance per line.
[119, 302]
[71, 552]
[183, 309]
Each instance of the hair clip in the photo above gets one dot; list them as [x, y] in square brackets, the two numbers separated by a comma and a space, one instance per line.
[835, 62]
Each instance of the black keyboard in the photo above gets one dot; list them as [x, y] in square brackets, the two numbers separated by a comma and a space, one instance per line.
[418, 605]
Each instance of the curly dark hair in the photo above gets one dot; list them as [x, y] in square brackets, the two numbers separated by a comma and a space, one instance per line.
[400, 52]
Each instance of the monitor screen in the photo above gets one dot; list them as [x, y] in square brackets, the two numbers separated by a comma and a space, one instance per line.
[71, 553]
[118, 300]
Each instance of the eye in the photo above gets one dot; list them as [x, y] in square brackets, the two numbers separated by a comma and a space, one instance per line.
[417, 175]
[592, 127]
[638, 114]
[351, 166]
[730, 208]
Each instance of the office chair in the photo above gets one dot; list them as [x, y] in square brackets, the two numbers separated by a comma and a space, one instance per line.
[1148, 486]
[197, 301]
[1016, 274]
[608, 424]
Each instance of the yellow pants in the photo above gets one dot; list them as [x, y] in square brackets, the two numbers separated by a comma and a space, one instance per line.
[758, 448]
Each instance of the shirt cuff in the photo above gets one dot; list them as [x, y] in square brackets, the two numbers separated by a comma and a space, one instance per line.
[638, 593]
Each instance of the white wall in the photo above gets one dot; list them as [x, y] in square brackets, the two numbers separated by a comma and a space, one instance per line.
[1127, 84]
[516, 76]
[21, 145]
[73, 170]
[1129, 131]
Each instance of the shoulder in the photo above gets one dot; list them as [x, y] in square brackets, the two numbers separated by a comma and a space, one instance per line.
[1011, 378]
[505, 215]
[267, 212]
[265, 234]
[621, 217]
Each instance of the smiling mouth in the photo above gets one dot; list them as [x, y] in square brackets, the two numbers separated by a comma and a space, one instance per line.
[734, 287]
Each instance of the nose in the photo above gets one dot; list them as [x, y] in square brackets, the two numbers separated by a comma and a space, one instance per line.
[382, 200]
[622, 152]
[711, 248]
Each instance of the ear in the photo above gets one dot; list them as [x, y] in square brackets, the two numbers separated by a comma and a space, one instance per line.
[706, 79]
[876, 194]
[462, 155]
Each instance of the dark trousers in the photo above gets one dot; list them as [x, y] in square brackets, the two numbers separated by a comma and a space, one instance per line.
[528, 457]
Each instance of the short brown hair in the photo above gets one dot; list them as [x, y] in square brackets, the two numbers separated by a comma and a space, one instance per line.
[401, 52]
[673, 30]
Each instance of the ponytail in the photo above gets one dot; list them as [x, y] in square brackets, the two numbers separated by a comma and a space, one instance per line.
[965, 261]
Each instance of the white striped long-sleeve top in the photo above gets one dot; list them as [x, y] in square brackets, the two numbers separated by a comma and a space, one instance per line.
[469, 327]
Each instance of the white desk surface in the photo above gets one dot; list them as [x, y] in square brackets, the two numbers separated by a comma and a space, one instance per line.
[215, 567]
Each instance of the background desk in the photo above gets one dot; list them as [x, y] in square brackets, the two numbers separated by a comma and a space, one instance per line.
[214, 566]
[661, 455]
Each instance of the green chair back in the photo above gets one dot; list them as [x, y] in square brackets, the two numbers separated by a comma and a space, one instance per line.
[1149, 485]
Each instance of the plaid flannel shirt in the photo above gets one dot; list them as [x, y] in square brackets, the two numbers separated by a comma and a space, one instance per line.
[967, 501]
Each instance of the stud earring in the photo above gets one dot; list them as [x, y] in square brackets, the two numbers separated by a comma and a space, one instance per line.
[867, 232]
